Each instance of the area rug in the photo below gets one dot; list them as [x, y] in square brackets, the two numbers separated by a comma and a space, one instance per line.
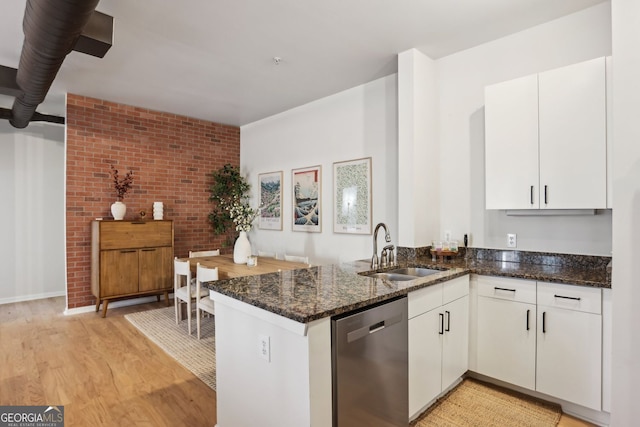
[474, 403]
[198, 356]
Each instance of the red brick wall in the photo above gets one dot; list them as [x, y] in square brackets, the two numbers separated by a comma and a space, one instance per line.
[171, 157]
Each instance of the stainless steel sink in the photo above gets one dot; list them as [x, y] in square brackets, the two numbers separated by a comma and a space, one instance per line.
[394, 277]
[414, 271]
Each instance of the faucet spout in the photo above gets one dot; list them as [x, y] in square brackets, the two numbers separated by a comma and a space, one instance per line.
[375, 261]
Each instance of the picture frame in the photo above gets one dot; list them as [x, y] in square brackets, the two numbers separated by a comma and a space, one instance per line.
[306, 200]
[352, 196]
[270, 184]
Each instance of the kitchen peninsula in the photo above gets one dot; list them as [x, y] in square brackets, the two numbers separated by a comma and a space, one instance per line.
[273, 331]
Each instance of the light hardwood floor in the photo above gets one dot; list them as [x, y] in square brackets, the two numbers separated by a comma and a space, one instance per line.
[103, 371]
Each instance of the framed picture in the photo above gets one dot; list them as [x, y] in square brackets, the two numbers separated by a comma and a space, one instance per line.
[352, 196]
[270, 200]
[307, 191]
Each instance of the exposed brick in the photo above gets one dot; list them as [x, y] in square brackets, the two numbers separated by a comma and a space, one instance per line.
[172, 158]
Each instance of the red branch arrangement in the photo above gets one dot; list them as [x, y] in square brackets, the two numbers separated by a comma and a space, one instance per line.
[122, 185]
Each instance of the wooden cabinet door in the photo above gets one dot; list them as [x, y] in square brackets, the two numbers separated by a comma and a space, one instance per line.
[455, 341]
[425, 358]
[573, 140]
[507, 341]
[569, 355]
[511, 144]
[118, 272]
[155, 269]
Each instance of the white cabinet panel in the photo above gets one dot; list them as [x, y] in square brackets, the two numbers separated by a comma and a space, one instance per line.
[569, 355]
[438, 341]
[507, 341]
[545, 140]
[425, 358]
[511, 144]
[455, 345]
[572, 132]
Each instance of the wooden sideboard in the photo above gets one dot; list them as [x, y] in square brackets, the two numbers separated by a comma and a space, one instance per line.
[131, 259]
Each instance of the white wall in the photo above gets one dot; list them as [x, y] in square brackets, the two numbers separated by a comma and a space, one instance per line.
[356, 123]
[32, 215]
[418, 148]
[461, 80]
[626, 213]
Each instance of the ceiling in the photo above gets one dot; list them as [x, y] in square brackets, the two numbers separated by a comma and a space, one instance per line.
[213, 59]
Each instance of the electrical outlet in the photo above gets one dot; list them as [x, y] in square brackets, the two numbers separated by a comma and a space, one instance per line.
[512, 240]
[264, 347]
[447, 235]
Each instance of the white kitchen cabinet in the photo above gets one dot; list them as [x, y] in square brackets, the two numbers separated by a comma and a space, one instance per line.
[506, 344]
[438, 340]
[545, 140]
[511, 144]
[569, 343]
[542, 336]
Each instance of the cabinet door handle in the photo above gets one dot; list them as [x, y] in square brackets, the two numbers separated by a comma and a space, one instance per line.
[545, 195]
[448, 314]
[504, 289]
[149, 250]
[127, 252]
[544, 322]
[572, 298]
[441, 330]
[528, 311]
[138, 222]
[531, 194]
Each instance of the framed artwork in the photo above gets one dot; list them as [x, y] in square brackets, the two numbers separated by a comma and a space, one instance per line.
[270, 201]
[352, 196]
[307, 191]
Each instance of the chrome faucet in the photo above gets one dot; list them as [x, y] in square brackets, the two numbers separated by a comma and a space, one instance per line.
[386, 256]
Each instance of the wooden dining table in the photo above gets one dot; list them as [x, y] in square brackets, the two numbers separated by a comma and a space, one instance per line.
[227, 269]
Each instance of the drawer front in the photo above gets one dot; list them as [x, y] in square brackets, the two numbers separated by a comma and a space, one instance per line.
[135, 234]
[425, 299]
[571, 297]
[454, 289]
[518, 290]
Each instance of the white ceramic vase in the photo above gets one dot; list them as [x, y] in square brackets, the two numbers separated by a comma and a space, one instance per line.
[118, 209]
[241, 249]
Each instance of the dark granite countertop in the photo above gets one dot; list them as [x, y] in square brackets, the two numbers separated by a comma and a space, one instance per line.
[313, 293]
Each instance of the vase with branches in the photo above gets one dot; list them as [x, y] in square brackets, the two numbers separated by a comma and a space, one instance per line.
[122, 186]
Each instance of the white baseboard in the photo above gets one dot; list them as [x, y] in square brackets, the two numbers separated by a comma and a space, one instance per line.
[114, 304]
[22, 298]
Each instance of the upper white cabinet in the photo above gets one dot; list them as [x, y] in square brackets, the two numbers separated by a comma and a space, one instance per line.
[545, 140]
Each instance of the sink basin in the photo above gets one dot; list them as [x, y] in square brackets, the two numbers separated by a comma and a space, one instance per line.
[394, 277]
[414, 271]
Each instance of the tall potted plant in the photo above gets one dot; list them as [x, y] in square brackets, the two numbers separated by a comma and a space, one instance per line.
[122, 186]
[230, 193]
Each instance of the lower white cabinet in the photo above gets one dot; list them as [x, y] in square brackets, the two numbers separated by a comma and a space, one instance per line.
[569, 343]
[438, 340]
[542, 336]
[506, 348]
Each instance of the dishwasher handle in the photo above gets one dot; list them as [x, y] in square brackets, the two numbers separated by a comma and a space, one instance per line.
[373, 328]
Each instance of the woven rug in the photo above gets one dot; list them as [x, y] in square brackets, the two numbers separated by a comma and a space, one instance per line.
[474, 403]
[198, 356]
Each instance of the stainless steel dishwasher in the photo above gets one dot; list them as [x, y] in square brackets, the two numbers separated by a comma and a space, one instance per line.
[369, 350]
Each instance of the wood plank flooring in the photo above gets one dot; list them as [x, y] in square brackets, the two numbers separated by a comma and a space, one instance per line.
[103, 371]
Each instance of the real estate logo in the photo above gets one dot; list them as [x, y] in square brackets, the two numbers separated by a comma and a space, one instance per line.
[31, 416]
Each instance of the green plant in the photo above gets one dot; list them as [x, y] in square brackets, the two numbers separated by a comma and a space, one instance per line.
[229, 192]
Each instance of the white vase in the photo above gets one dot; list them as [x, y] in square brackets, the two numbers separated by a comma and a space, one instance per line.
[241, 249]
[118, 209]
